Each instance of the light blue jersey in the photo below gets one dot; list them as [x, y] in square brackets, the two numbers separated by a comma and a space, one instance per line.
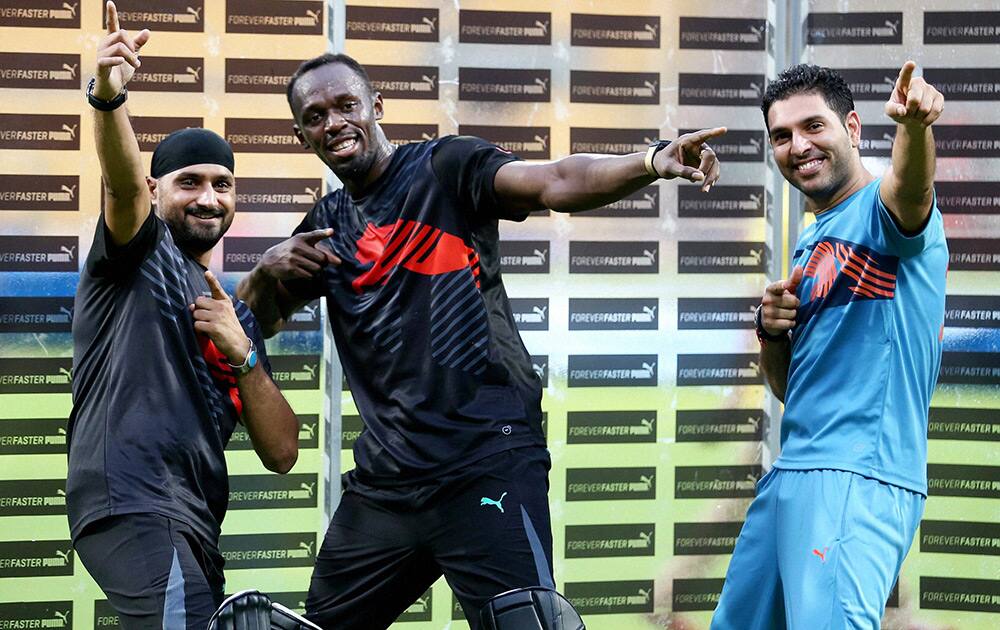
[866, 347]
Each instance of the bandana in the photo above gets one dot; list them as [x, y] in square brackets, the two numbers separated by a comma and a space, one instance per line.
[190, 146]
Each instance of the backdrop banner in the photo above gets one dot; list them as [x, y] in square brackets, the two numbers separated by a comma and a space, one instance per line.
[638, 315]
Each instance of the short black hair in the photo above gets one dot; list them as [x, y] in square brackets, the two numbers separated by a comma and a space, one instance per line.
[805, 78]
[326, 59]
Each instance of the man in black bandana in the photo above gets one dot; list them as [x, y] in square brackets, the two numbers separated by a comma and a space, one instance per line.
[451, 469]
[165, 364]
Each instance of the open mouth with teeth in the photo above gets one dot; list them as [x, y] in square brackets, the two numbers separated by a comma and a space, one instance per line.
[205, 215]
[810, 167]
[343, 147]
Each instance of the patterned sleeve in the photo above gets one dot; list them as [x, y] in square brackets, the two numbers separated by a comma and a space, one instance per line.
[467, 167]
[107, 260]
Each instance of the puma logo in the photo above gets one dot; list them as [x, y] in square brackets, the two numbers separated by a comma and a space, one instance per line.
[497, 503]
[821, 554]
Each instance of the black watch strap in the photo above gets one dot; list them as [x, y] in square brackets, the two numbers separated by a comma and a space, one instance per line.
[105, 106]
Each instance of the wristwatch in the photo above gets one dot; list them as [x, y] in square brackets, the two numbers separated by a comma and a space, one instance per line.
[249, 362]
[762, 335]
[654, 147]
[105, 106]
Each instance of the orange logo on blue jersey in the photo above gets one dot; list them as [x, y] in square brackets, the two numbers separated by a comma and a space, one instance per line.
[839, 272]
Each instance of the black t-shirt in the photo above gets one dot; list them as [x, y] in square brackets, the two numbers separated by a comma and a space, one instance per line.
[422, 323]
[154, 402]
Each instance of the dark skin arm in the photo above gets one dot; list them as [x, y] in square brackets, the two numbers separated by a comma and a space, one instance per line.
[273, 427]
[578, 182]
[778, 310]
[300, 256]
[586, 181]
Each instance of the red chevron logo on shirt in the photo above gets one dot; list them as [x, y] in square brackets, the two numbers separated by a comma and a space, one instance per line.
[417, 247]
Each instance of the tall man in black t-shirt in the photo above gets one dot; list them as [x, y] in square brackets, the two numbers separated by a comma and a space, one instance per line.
[452, 469]
[164, 365]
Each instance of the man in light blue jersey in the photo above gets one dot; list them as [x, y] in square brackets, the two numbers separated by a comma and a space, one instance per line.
[851, 343]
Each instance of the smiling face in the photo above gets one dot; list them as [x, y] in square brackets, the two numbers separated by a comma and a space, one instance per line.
[814, 148]
[336, 116]
[197, 203]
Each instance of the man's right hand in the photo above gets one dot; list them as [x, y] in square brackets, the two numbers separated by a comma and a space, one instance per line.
[779, 305]
[117, 57]
[299, 256]
[689, 157]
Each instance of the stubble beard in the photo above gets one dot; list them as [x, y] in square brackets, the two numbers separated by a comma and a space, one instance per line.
[356, 169]
[194, 239]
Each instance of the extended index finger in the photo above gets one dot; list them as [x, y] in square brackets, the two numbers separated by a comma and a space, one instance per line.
[112, 12]
[213, 283]
[905, 74]
[317, 235]
[793, 281]
[703, 135]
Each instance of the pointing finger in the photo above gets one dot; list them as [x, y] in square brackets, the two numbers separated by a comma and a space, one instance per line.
[703, 135]
[112, 17]
[792, 283]
[317, 235]
[213, 283]
[905, 74]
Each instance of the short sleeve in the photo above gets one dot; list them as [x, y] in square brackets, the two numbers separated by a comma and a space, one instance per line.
[107, 260]
[904, 245]
[467, 166]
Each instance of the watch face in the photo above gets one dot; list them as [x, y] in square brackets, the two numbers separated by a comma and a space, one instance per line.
[252, 360]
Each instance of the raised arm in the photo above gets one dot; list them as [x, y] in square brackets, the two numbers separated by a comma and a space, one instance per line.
[273, 427]
[299, 257]
[585, 181]
[907, 188]
[127, 197]
[775, 318]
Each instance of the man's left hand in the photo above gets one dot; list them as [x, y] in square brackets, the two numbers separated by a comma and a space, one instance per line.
[215, 317]
[690, 158]
[914, 102]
